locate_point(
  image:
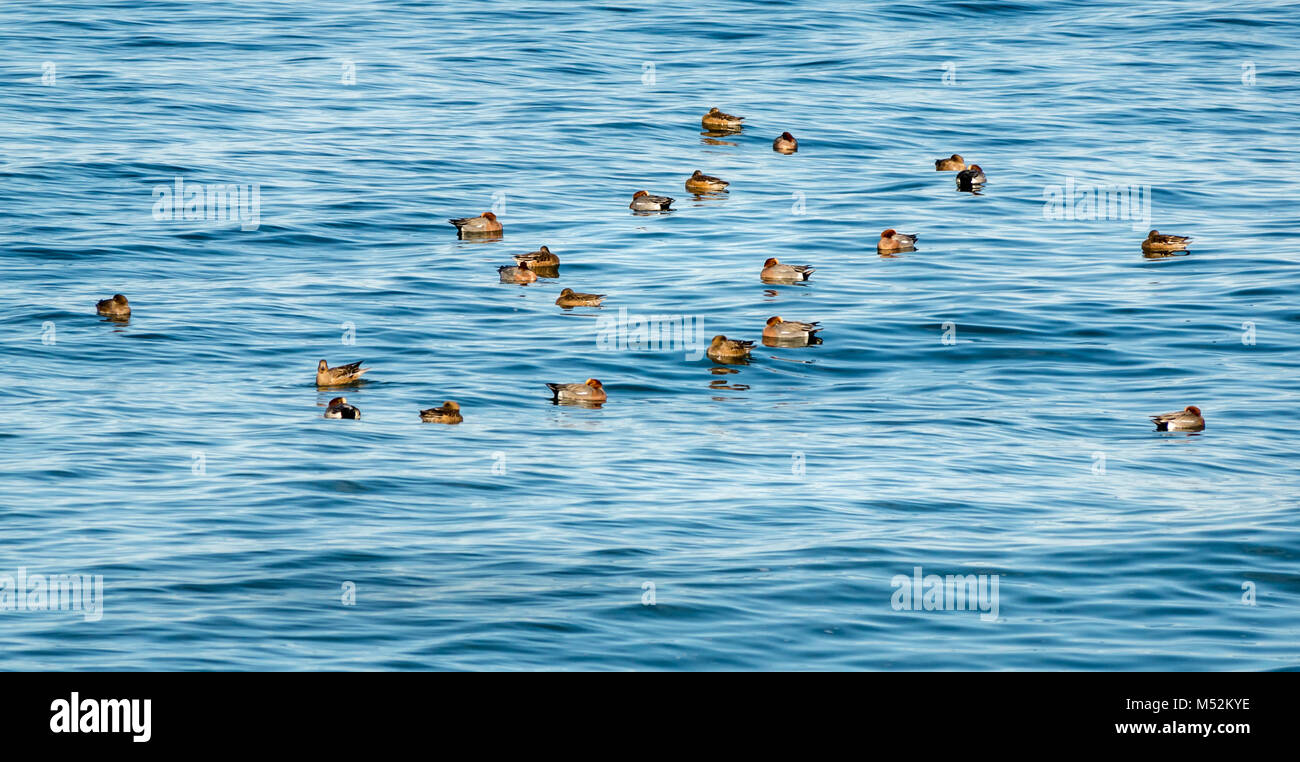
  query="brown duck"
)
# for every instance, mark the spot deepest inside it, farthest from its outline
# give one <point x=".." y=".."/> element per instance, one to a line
<point x="115" y="307"/>
<point x="448" y="413"/>
<point x="570" y="298"/>
<point x="340" y="375"/>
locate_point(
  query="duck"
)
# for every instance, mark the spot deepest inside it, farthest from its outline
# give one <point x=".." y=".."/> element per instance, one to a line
<point x="448" y="413"/>
<point x="540" y="258"/>
<point x="519" y="274"/>
<point x="1157" y="241"/>
<point x="484" y="224"/>
<point x="785" y="143"/>
<point x="590" y="391"/>
<point x="1187" y="419"/>
<point x="722" y="349"/>
<point x="642" y="201"/>
<point x="717" y="120"/>
<point x="773" y="270"/>
<point x="892" y="240"/>
<point x="778" y="330"/>
<point x="339" y="375"/>
<point x="972" y="175"/>
<point x="114" y="307"/>
<point x="339" y="408"/>
<point x="570" y="298"/>
<point x="702" y="183"/>
<point x="954" y="163"/>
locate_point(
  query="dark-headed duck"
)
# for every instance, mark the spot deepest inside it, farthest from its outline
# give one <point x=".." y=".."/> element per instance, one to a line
<point x="785" y="143"/>
<point x="339" y="408"/>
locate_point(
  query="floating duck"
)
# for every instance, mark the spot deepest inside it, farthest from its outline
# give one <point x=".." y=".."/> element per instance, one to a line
<point x="722" y="349"/>
<point x="540" y="258"/>
<point x="115" y="307"/>
<point x="519" y="274"/>
<point x="785" y="143"/>
<point x="642" y="201"/>
<point x="339" y="408"/>
<point x="1187" y="419"/>
<point x="954" y="163"/>
<point x="1157" y="241"/>
<point x="892" y="240"/>
<point x="970" y="176"/>
<point x="775" y="272"/>
<point x="790" y="332"/>
<point x="340" y="375"/>
<point x="448" y="413"/>
<point x="718" y="121"/>
<point x="570" y="298"/>
<point x="484" y="224"/>
<point x="702" y="183"/>
<point x="589" y="392"/>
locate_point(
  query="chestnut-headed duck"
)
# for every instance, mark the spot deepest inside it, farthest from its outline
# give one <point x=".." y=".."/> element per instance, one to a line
<point x="570" y="298"/>
<point x="702" y="183"/>
<point x="969" y="176"/>
<point x="722" y="349"/>
<point x="341" y="375"/>
<point x="785" y="143"/>
<point x="790" y="331"/>
<point x="540" y="258"/>
<point x="1157" y="241"/>
<point x="589" y="391"/>
<point x="954" y="163"/>
<point x="642" y="201"/>
<point x="339" y="408"/>
<point x="1187" y="419"/>
<point x="892" y="240"/>
<point x="448" y="413"/>
<point x="519" y="274"/>
<point x="115" y="307"/>
<point x="484" y="224"/>
<point x="774" y="271"/>
<point x="717" y="120"/>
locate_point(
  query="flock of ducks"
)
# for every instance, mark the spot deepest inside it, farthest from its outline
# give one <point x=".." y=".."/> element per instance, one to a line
<point x="778" y="332"/>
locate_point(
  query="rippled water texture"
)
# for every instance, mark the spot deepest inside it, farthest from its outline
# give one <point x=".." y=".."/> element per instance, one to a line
<point x="978" y="406"/>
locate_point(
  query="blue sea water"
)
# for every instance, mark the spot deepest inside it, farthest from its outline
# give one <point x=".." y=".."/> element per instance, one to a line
<point x="978" y="406"/>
